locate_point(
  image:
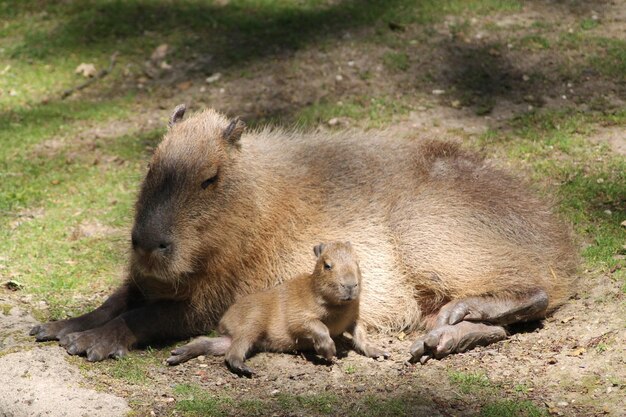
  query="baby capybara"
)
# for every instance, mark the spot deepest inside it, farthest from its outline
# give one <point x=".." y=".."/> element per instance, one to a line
<point x="303" y="313"/>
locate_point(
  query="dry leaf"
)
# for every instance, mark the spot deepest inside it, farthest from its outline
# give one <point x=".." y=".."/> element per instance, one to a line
<point x="184" y="85"/>
<point x="86" y="70"/>
<point x="401" y="336"/>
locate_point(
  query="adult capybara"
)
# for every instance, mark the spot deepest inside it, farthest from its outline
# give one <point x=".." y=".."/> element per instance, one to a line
<point x="445" y="240"/>
<point x="304" y="313"/>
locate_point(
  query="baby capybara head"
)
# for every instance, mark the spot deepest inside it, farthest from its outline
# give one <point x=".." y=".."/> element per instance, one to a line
<point x="186" y="186"/>
<point x="337" y="274"/>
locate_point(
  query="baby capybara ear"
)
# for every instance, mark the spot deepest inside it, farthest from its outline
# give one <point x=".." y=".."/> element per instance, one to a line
<point x="317" y="249"/>
<point x="177" y="115"/>
<point x="233" y="132"/>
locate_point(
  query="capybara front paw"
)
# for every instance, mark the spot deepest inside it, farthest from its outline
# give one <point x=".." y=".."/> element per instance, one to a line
<point x="93" y="344"/>
<point x="53" y="330"/>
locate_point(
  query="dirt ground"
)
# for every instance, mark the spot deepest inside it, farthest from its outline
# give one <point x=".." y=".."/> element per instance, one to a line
<point x="571" y="364"/>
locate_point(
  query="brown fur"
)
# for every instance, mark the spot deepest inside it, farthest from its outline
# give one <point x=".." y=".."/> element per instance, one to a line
<point x="223" y="213"/>
<point x="304" y="313"/>
<point x="432" y="222"/>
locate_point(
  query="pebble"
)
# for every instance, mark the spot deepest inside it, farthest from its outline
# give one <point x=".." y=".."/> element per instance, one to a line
<point x="275" y="392"/>
<point x="438" y="92"/>
<point x="213" y="78"/>
<point x="360" y="388"/>
<point x="562" y="404"/>
<point x="339" y="77"/>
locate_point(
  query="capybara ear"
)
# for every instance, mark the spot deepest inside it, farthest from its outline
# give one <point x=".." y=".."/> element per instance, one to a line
<point x="177" y="115"/>
<point x="317" y="249"/>
<point x="233" y="132"/>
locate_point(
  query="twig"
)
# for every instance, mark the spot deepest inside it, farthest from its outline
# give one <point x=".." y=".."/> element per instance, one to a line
<point x="103" y="73"/>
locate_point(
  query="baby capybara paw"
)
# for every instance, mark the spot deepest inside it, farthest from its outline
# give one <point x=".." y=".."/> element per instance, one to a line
<point x="240" y="369"/>
<point x="326" y="349"/>
<point x="375" y="353"/>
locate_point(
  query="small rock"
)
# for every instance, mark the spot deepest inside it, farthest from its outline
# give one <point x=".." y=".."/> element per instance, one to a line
<point x="86" y="70"/>
<point x="201" y="358"/>
<point x="438" y="92"/>
<point x="360" y="388"/>
<point x="213" y="78"/>
<point x="350" y="63"/>
<point x="567" y="319"/>
<point x="456" y="104"/>
<point x="275" y="392"/>
<point x="339" y="77"/>
<point x="623" y="224"/>
<point x="334" y="121"/>
<point x="600" y="180"/>
<point x="12" y="93"/>
<point x="608" y="212"/>
<point x="525" y="77"/>
<point x="203" y="365"/>
<point x="165" y="66"/>
<point x="401" y="336"/>
<point x="219" y="382"/>
<point x="160" y="52"/>
<point x="562" y="404"/>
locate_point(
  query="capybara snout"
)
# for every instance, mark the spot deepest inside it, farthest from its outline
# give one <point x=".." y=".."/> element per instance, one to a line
<point x="186" y="187"/>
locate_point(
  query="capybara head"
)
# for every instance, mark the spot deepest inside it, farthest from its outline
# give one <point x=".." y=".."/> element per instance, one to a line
<point x="337" y="275"/>
<point x="185" y="188"/>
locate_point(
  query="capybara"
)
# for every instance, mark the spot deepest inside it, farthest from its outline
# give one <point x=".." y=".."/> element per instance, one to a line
<point x="304" y="313"/>
<point x="446" y="240"/>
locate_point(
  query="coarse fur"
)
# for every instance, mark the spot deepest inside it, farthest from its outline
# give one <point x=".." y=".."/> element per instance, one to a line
<point x="223" y="213"/>
<point x="304" y="313"/>
<point x="432" y="222"/>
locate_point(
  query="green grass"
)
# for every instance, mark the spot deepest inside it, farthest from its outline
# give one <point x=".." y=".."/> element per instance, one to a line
<point x="132" y="368"/>
<point x="192" y="400"/>
<point x="469" y="382"/>
<point x="512" y="408"/>
<point x="396" y="61"/>
<point x="324" y="404"/>
<point x="376" y="111"/>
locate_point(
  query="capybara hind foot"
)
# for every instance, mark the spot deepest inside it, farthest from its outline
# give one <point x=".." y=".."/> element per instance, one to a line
<point x="442" y="341"/>
<point x="526" y="307"/>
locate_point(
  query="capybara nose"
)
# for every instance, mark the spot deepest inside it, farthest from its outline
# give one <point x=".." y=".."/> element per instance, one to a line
<point x="148" y="243"/>
<point x="350" y="290"/>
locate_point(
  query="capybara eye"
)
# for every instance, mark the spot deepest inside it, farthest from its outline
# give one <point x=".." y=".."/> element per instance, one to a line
<point x="208" y="182"/>
<point x="327" y="266"/>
